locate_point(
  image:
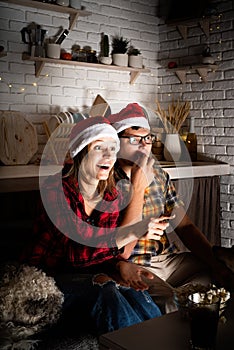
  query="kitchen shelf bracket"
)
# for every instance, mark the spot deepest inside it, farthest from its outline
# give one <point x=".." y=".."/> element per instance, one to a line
<point x="181" y="74"/>
<point x="205" y="26"/>
<point x="133" y="76"/>
<point x="38" y="68"/>
<point x="183" y="30"/>
<point x="72" y="20"/>
<point x="203" y="72"/>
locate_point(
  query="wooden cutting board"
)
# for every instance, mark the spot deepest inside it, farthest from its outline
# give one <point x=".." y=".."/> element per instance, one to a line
<point x="18" y="138"/>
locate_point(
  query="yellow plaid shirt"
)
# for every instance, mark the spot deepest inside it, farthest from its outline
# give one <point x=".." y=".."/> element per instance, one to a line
<point x="160" y="198"/>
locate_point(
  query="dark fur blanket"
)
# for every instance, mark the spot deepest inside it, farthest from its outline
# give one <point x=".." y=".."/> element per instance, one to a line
<point x="30" y="302"/>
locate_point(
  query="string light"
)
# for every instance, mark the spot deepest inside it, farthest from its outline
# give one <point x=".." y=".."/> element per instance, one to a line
<point x="217" y="26"/>
<point x="22" y="88"/>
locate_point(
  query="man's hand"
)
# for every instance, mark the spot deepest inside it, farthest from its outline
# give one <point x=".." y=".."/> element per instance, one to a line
<point x="131" y="275"/>
<point x="142" y="173"/>
<point x="157" y="227"/>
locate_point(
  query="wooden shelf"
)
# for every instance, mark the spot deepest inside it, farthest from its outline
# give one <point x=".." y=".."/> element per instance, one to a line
<point x="41" y="61"/>
<point x="73" y="13"/>
<point x="201" y="69"/>
<point x="183" y="25"/>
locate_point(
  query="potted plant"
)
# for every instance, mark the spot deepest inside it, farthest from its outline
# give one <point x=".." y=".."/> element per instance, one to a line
<point x="105" y="48"/>
<point x="119" y="51"/>
<point x="135" y="59"/>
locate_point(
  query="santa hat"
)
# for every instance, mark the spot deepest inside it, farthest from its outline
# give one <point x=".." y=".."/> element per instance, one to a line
<point x="89" y="130"/>
<point x="131" y="115"/>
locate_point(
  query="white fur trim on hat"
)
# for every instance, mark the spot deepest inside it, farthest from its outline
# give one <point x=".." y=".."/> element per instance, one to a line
<point x="141" y="122"/>
<point x="90" y="134"/>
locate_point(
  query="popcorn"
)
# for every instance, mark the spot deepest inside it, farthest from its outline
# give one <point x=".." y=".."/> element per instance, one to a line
<point x="211" y="296"/>
<point x="200" y="294"/>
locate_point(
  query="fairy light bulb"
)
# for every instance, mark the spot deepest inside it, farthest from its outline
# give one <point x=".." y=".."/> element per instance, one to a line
<point x="21" y="89"/>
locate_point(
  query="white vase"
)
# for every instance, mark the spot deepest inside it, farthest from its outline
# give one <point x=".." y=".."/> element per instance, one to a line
<point x="172" y="147"/>
<point x="135" y="61"/>
<point x="120" y="59"/>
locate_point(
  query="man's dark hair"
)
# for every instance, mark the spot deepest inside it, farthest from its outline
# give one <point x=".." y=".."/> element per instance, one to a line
<point x="131" y="127"/>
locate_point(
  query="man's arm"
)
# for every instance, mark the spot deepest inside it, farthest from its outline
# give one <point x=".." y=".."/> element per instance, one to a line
<point x="141" y="176"/>
<point x="192" y="237"/>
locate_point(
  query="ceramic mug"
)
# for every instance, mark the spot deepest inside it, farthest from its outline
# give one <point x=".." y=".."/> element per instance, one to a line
<point x="53" y="50"/>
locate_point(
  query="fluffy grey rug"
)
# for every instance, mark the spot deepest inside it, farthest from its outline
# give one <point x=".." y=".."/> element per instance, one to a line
<point x="30" y="302"/>
<point x="81" y="342"/>
<point x="30" y="306"/>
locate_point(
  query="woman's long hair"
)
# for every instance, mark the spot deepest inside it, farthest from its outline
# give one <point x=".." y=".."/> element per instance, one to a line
<point x="103" y="185"/>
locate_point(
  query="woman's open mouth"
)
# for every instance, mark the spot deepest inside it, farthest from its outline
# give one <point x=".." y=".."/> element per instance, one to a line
<point x="104" y="166"/>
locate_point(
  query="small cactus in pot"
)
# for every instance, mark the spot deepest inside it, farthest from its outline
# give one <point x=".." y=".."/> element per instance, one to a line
<point x="105" y="49"/>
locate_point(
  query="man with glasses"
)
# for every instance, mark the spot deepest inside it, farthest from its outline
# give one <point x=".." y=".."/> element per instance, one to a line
<point x="156" y="253"/>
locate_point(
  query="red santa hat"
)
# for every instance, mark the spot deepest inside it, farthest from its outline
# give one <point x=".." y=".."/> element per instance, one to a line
<point x="89" y="130"/>
<point x="131" y="115"/>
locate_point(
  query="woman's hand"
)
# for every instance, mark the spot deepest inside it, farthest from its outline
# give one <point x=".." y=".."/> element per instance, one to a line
<point x="101" y="278"/>
<point x="131" y="275"/>
<point x="157" y="227"/>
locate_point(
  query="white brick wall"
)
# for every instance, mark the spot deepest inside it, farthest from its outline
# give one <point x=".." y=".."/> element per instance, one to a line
<point x="69" y="87"/>
<point x="212" y="102"/>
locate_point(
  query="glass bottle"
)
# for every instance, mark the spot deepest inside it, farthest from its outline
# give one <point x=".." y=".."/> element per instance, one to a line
<point x="191" y="141"/>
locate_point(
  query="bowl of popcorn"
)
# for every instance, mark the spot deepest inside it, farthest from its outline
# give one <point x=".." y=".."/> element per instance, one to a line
<point x="209" y="294"/>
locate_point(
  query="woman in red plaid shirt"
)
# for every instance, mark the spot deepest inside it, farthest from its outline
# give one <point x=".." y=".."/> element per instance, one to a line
<point x="78" y="231"/>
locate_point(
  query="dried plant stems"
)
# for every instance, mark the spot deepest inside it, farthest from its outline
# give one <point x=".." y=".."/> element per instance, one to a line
<point x="174" y="116"/>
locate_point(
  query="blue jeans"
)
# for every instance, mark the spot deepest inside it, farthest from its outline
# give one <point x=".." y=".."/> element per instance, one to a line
<point x="106" y="307"/>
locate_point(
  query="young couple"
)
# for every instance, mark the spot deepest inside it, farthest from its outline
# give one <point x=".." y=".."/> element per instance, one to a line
<point x="88" y="226"/>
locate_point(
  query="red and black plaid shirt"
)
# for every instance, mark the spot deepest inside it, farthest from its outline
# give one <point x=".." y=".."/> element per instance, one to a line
<point x="65" y="236"/>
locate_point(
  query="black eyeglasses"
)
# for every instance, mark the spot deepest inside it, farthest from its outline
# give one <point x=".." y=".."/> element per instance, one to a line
<point x="136" y="140"/>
